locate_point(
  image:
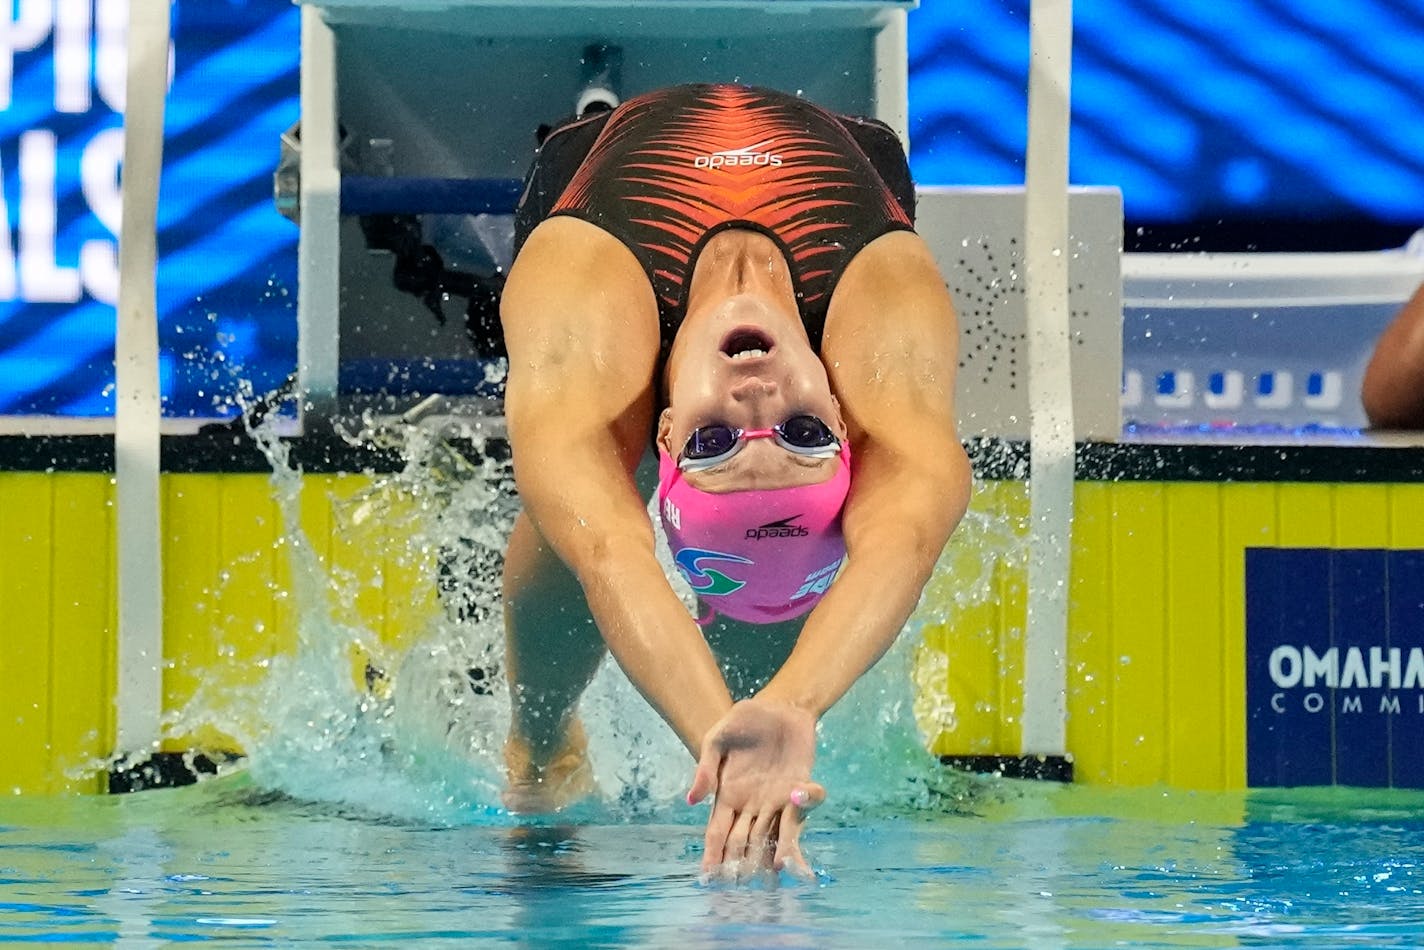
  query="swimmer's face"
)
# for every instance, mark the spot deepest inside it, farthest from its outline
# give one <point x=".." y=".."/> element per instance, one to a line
<point x="746" y="363"/>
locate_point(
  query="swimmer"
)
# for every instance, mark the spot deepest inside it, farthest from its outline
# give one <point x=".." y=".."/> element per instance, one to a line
<point x="734" y="272"/>
<point x="1393" y="388"/>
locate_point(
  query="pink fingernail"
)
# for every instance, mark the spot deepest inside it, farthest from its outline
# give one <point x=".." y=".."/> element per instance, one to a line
<point x="799" y="797"/>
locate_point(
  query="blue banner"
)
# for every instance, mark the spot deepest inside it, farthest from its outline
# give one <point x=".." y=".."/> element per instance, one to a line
<point x="1199" y="110"/>
<point x="1335" y="667"/>
<point x="227" y="272"/>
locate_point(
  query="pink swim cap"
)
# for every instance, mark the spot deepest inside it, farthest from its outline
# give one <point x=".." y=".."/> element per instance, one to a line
<point x="757" y="556"/>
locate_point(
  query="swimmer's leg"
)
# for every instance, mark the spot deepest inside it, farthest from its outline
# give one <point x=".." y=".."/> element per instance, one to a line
<point x="552" y="651"/>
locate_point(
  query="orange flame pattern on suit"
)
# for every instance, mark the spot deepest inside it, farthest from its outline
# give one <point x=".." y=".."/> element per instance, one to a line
<point x="672" y="167"/>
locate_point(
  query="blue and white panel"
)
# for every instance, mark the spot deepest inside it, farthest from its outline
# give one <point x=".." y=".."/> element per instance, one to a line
<point x="1335" y="667"/>
<point x="1198" y="110"/>
<point x="227" y="259"/>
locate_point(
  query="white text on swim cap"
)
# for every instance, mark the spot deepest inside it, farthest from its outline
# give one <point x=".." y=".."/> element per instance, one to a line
<point x="818" y="582"/>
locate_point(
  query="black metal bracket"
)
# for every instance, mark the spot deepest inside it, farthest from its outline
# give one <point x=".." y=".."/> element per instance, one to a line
<point x="421" y="272"/>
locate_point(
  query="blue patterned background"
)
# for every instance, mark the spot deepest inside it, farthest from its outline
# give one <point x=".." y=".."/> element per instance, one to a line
<point x="227" y="260"/>
<point x="1306" y="110"/>
<point x="1259" y="114"/>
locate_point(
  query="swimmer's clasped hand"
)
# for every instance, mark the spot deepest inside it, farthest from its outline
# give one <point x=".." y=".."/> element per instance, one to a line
<point x="757" y="759"/>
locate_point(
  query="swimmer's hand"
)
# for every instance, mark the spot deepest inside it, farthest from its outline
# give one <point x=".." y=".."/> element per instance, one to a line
<point x="758" y="760"/>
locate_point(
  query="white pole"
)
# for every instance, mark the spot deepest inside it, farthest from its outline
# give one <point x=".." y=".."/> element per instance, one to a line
<point x="139" y="696"/>
<point x="319" y="240"/>
<point x="1050" y="377"/>
<point x="892" y="74"/>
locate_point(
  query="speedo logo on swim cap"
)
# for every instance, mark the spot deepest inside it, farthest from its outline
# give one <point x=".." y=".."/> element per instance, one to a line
<point x="777" y="529"/>
<point x="739" y="157"/>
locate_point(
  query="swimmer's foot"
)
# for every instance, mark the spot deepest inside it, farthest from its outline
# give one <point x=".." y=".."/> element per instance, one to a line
<point x="537" y="789"/>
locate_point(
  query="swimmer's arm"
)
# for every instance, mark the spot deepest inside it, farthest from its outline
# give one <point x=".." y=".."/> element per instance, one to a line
<point x="1393" y="388"/>
<point x="891" y="348"/>
<point x="578" y="406"/>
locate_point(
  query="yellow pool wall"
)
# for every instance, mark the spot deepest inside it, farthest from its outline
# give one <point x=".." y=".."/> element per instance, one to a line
<point x="227" y="604"/>
<point x="1156" y="626"/>
<point x="1156" y="666"/>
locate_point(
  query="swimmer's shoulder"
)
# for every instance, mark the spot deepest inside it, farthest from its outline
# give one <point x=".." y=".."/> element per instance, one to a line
<point x="893" y="265"/>
<point x="571" y="274"/>
<point x="572" y="250"/>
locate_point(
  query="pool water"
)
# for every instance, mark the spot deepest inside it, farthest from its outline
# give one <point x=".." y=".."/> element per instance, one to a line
<point x="999" y="864"/>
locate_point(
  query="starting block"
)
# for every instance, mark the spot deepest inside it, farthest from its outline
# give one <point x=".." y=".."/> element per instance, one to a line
<point x="420" y="118"/>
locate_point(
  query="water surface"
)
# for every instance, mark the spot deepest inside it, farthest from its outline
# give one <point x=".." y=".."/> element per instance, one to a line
<point x="999" y="864"/>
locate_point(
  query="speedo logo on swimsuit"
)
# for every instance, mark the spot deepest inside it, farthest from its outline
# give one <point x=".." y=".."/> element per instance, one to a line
<point x="777" y="529"/>
<point x="739" y="157"/>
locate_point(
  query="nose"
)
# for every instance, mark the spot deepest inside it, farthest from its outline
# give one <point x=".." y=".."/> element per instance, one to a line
<point x="753" y="389"/>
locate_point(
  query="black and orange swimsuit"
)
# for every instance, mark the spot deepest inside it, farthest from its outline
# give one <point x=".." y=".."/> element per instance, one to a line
<point x="666" y="171"/>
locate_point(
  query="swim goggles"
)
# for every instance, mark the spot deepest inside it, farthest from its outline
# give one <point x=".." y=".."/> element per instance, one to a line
<point x="711" y="445"/>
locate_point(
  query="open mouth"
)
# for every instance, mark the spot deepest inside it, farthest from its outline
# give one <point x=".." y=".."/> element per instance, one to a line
<point x="744" y="344"/>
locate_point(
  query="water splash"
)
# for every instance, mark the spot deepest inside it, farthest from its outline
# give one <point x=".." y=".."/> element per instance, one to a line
<point x="414" y="731"/>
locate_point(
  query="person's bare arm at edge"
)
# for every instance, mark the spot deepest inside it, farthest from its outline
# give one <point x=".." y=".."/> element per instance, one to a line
<point x="891" y="348"/>
<point x="581" y="327"/>
<point x="1393" y="388"/>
